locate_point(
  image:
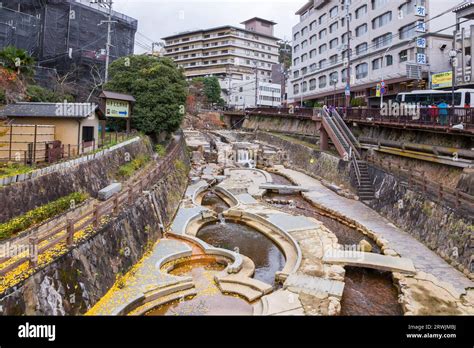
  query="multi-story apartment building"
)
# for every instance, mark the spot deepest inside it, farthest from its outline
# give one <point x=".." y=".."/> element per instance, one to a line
<point x="384" y="46"/>
<point x="230" y="53"/>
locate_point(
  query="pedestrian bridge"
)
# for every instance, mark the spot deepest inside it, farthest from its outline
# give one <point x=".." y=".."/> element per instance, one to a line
<point x="370" y="260"/>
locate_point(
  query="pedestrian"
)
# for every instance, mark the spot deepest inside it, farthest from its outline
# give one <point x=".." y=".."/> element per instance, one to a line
<point x="443" y="113"/>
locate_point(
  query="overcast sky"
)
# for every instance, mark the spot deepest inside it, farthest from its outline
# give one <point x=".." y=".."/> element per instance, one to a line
<point x="159" y="18"/>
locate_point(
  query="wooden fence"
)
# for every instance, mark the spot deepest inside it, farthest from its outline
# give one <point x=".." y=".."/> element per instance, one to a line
<point x="65" y="232"/>
<point x="417" y="181"/>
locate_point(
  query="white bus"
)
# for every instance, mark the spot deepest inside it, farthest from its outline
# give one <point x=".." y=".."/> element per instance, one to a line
<point x="462" y="97"/>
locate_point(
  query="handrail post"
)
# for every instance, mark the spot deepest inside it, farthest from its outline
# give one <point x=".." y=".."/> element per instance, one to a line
<point x="116" y="204"/>
<point x="96" y="215"/>
<point x="33" y="255"/>
<point x="70" y="232"/>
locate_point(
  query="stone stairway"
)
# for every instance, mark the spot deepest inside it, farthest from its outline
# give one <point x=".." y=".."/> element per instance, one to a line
<point x="366" y="189"/>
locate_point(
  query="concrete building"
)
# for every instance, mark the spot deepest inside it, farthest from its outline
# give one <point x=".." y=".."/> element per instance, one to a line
<point x="232" y="54"/>
<point x="384" y="47"/>
<point x="243" y="95"/>
<point x="463" y="44"/>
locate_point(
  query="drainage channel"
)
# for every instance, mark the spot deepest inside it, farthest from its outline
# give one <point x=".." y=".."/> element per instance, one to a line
<point x="366" y="291"/>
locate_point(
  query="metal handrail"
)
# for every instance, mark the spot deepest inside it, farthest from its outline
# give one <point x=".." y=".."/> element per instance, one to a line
<point x="356" y="169"/>
<point x="346" y="129"/>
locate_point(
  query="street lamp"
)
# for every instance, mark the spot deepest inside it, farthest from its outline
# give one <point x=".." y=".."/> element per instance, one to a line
<point x="452" y="55"/>
<point x="334" y="82"/>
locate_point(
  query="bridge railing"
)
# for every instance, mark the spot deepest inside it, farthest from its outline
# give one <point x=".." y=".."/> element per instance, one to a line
<point x="422" y="116"/>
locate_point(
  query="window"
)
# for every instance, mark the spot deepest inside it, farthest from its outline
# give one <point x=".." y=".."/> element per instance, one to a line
<point x="87" y="134"/>
<point x="344" y="75"/>
<point x="323" y="33"/>
<point x="334" y="78"/>
<point x="361" y="11"/>
<point x="323" y="48"/>
<point x="376" y="4"/>
<point x="296" y="74"/>
<point x="304" y="44"/>
<point x="312" y="39"/>
<point x="322" y="63"/>
<point x="382" y="20"/>
<point x="296" y="61"/>
<point x="296" y="89"/>
<point x="388" y="60"/>
<point x="361" y="30"/>
<point x="407" y="32"/>
<point x="377" y="64"/>
<point x="305" y="86"/>
<point x="406" y="9"/>
<point x="403" y="56"/>
<point x="322" y="19"/>
<point x="304" y="71"/>
<point x="296" y="36"/>
<point x="313" y="53"/>
<point x="382" y="41"/>
<point x="333" y="43"/>
<point x="362" y="48"/>
<point x="333" y="27"/>
<point x="313" y="67"/>
<point x="333" y="11"/>
<point x="322" y="81"/>
<point x="312" y="84"/>
<point x="313" y="25"/>
<point x="362" y="70"/>
<point x="333" y="59"/>
<point x="304" y="57"/>
<point x="304" y="31"/>
<point x="344" y="38"/>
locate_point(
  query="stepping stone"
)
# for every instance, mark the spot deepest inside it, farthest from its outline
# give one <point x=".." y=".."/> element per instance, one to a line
<point x="314" y="285"/>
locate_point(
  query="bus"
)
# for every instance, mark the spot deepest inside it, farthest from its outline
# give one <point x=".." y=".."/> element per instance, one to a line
<point x="462" y="97"/>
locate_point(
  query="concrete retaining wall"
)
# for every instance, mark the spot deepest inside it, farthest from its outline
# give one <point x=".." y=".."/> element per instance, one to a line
<point x="281" y="124"/>
<point x="310" y="161"/>
<point x="90" y="174"/>
<point x="447" y="232"/>
<point x="77" y="280"/>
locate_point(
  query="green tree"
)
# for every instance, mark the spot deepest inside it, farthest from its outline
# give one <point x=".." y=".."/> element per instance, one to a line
<point x="159" y="87"/>
<point x="39" y="94"/>
<point x="212" y="90"/>
<point x="10" y="56"/>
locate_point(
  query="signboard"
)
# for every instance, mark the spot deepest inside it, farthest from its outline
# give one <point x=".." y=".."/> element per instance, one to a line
<point x="442" y="80"/>
<point x="348" y="91"/>
<point x="117" y="108"/>
<point x="421" y="58"/>
<point x="377" y="90"/>
<point x="421" y="42"/>
<point x="420" y="11"/>
<point x="420" y="27"/>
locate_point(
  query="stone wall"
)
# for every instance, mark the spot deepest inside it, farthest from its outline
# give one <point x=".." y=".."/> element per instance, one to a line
<point x="281" y="124"/>
<point x="77" y="280"/>
<point x="447" y="232"/>
<point x="311" y="161"/>
<point x="89" y="176"/>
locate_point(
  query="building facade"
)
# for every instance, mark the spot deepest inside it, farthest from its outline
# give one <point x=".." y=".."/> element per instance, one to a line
<point x="384" y="46"/>
<point x="230" y="53"/>
<point x="243" y="95"/>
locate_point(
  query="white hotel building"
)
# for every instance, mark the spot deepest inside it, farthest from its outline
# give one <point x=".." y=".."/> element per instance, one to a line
<point x="235" y="55"/>
<point x="383" y="45"/>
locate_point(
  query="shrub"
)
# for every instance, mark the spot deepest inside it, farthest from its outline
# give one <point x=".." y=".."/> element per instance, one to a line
<point x="40" y="214"/>
<point x="127" y="170"/>
<point x="160" y="150"/>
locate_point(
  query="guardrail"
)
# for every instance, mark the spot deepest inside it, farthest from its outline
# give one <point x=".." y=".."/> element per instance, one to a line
<point x="417" y="181"/>
<point x="65" y="232"/>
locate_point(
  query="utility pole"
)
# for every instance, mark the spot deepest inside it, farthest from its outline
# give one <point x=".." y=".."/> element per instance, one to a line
<point x="348" y="77"/>
<point x="109" y="22"/>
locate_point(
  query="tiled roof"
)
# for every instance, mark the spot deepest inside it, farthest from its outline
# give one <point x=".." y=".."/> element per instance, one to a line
<point x="60" y="110"/>
<point x="119" y="96"/>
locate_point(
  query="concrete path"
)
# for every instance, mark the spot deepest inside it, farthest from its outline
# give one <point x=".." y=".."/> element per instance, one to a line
<point x="404" y="244"/>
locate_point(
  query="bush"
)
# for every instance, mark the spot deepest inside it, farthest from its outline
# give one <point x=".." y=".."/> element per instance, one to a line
<point x="40" y="214"/>
<point x="43" y="95"/>
<point x="160" y="150"/>
<point x="127" y="170"/>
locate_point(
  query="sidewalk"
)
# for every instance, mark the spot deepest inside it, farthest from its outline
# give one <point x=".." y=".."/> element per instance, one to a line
<point x="404" y="244"/>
